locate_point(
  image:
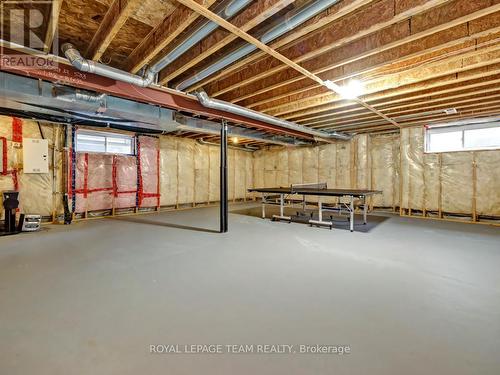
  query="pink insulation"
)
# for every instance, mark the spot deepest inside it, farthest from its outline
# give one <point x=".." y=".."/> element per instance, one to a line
<point x="94" y="182"/>
<point x="126" y="181"/>
<point x="105" y="181"/>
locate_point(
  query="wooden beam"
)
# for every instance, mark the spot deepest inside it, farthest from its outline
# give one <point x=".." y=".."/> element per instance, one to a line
<point x="462" y="63"/>
<point x="420" y="90"/>
<point x="52" y="26"/>
<point x="252" y="16"/>
<point x="115" y="18"/>
<point x="474" y="86"/>
<point x="487" y="111"/>
<point x="250" y="39"/>
<point x="162" y="35"/>
<point x="321" y="21"/>
<point x="363" y="64"/>
<point x="405" y="109"/>
<point x="415" y="114"/>
<point x="378" y="16"/>
<point x="352" y="50"/>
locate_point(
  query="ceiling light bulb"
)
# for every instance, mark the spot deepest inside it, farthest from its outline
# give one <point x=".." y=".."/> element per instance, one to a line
<point x="235" y="140"/>
<point x="352" y="90"/>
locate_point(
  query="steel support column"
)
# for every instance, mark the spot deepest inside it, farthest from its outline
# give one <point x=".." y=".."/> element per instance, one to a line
<point x="223" y="178"/>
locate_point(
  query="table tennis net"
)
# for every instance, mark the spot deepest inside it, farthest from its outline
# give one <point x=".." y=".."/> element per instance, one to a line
<point x="317" y="185"/>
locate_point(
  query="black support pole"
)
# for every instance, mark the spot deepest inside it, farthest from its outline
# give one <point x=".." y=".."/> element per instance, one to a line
<point x="223" y="178"/>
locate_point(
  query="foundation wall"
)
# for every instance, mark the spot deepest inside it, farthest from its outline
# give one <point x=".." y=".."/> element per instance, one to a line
<point x="174" y="172"/>
<point x="441" y="185"/>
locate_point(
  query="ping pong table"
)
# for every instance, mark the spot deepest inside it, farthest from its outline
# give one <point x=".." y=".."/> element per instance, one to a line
<point x="270" y="196"/>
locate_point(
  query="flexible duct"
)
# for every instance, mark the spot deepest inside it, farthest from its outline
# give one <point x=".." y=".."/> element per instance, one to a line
<point x="220" y="105"/>
<point x="290" y="22"/>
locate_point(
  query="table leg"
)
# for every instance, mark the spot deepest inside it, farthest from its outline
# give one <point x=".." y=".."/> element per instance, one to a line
<point x="365" y="210"/>
<point x="282" y="216"/>
<point x="352" y="214"/>
<point x="263" y="206"/>
<point x="320" y="217"/>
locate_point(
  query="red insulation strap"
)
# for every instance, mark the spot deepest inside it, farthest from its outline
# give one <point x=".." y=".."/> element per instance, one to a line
<point x="88" y="191"/>
<point x="15" y="180"/>
<point x="86" y="175"/>
<point x="139" y="173"/>
<point x="126" y="192"/>
<point x="115" y="185"/>
<point x="158" y="177"/>
<point x="4" y="155"/>
<point x="17" y="130"/>
<point x="150" y="195"/>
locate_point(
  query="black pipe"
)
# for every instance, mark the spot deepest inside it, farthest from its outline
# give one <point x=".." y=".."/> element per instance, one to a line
<point x="223" y="178"/>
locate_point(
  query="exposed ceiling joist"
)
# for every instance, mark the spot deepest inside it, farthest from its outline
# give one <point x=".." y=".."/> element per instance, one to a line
<point x="250" y="39"/>
<point x="366" y="63"/>
<point x="52" y="25"/>
<point x="115" y="18"/>
<point x="162" y="35"/>
<point x="330" y="41"/>
<point x="252" y="16"/>
<point x="340" y="10"/>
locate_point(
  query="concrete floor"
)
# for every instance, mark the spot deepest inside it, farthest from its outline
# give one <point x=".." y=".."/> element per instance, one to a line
<point x="408" y="296"/>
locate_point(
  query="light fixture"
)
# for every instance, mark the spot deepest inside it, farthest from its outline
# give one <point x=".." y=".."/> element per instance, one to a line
<point x="352" y="90"/>
<point x="235" y="140"/>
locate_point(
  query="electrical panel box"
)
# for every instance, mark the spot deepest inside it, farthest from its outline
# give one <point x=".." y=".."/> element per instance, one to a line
<point x="35" y="155"/>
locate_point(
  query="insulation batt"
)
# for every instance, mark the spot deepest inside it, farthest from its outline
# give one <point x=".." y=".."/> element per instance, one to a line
<point x="455" y="182"/>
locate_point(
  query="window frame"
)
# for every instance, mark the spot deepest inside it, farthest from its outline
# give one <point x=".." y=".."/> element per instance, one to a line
<point x="462" y="127"/>
<point x="107" y="135"/>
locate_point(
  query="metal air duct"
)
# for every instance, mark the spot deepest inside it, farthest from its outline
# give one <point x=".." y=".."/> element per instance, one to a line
<point x="289" y="23"/>
<point x="318" y="135"/>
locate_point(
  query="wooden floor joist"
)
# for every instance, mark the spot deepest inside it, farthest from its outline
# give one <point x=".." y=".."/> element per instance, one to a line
<point x="319" y="66"/>
<point x="330" y="41"/>
<point x="452" y="65"/>
<point x="473" y="87"/>
<point x="52" y="25"/>
<point x="250" y="39"/>
<point x="161" y="36"/>
<point x="321" y="21"/>
<point x="361" y="66"/>
<point x="259" y="10"/>
<point x="115" y="18"/>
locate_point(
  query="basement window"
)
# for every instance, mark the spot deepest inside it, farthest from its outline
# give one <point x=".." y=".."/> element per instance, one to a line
<point x="101" y="142"/>
<point x="463" y="137"/>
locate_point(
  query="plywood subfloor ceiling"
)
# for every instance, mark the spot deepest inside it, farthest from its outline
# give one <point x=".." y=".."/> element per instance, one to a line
<point x="416" y="58"/>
